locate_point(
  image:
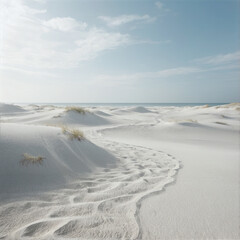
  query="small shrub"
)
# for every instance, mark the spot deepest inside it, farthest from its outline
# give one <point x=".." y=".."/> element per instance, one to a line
<point x="73" y="133"/>
<point x="76" y="109"/>
<point x="30" y="159"/>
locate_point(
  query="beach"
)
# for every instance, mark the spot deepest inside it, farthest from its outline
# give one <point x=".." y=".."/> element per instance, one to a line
<point x="119" y="172"/>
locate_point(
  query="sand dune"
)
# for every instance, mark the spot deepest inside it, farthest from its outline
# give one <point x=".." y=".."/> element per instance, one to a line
<point x="64" y="159"/>
<point x="139" y="110"/>
<point x="87" y="119"/>
<point x="48" y="115"/>
<point x="111" y="185"/>
<point x="9" y="108"/>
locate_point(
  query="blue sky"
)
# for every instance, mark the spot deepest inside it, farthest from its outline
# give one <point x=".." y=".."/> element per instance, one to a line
<point x="119" y="51"/>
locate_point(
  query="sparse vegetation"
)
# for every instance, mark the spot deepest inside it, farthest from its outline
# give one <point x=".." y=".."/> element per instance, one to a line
<point x="185" y="120"/>
<point x="73" y="133"/>
<point x="230" y="105"/>
<point x="76" y="109"/>
<point x="191" y="120"/>
<point x="205" y="106"/>
<point x="30" y="159"/>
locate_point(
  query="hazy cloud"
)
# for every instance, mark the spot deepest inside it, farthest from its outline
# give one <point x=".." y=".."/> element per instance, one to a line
<point x="97" y="40"/>
<point x="159" y="5"/>
<point x="214" y="63"/>
<point x="220" y="59"/>
<point x="65" y="24"/>
<point x="133" y="78"/>
<point x="30" y="41"/>
<point x="123" y="19"/>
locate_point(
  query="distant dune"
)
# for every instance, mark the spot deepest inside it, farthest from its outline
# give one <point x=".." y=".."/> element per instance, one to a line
<point x="9" y="108"/>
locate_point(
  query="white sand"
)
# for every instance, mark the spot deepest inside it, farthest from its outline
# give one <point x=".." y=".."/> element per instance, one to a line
<point x="142" y="173"/>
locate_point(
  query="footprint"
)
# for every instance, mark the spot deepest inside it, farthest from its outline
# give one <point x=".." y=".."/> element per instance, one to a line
<point x="39" y="229"/>
<point x="113" y="203"/>
<point x="71" y="211"/>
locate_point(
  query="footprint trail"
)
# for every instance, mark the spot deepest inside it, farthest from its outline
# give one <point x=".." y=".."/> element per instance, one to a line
<point x="103" y="207"/>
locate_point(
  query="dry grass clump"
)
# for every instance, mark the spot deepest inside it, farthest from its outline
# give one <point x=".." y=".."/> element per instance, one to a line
<point x="73" y="133"/>
<point x="76" y="109"/>
<point x="191" y="120"/>
<point x="30" y="159"/>
<point x="230" y="105"/>
<point x="205" y="106"/>
<point x="183" y="120"/>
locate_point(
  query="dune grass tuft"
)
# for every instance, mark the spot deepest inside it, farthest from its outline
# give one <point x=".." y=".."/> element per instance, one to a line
<point x="191" y="120"/>
<point x="76" y="109"/>
<point x="73" y="133"/>
<point x="205" y="106"/>
<point x="30" y="159"/>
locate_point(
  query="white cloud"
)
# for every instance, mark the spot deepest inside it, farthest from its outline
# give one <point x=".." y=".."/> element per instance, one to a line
<point x="29" y="41"/>
<point x="65" y="24"/>
<point x="97" y="40"/>
<point x="40" y="1"/>
<point x="123" y="19"/>
<point x="133" y="78"/>
<point x="162" y="7"/>
<point x="26" y="71"/>
<point x="220" y="59"/>
<point x="208" y="64"/>
<point x="159" y="5"/>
